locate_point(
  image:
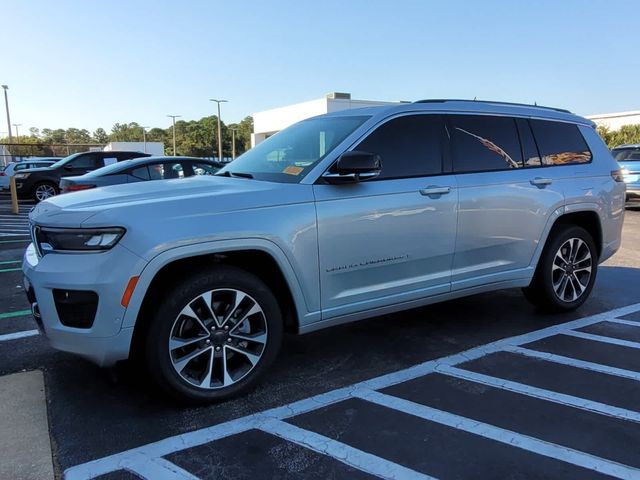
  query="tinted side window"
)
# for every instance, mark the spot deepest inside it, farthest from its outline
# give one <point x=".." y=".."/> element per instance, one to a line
<point x="529" y="148"/>
<point x="204" y="169"/>
<point x="560" y="143"/>
<point x="141" y="172"/>
<point x="164" y="171"/>
<point x="483" y="142"/>
<point x="410" y="146"/>
<point x="84" y="161"/>
<point x="108" y="160"/>
<point x="24" y="166"/>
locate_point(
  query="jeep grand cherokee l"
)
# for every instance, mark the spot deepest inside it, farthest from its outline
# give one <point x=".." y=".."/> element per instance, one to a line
<point x="337" y="218"/>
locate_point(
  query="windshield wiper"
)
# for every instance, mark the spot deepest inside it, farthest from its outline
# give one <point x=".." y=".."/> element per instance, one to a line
<point x="234" y="174"/>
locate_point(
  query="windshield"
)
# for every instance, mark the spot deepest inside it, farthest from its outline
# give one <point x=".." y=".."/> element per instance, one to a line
<point x="626" y="154"/>
<point x="290" y="154"/>
<point x="65" y="160"/>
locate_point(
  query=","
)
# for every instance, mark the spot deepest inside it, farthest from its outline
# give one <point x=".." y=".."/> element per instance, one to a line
<point x="337" y="218"/>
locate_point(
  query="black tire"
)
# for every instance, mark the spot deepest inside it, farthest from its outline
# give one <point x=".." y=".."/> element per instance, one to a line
<point x="541" y="292"/>
<point x="160" y="361"/>
<point x="48" y="185"/>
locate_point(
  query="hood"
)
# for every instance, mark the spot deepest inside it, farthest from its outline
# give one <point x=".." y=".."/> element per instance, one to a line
<point x="47" y="213"/>
<point x="197" y="195"/>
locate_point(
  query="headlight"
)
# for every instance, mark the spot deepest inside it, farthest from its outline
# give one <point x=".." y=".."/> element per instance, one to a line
<point x="76" y="239"/>
<point x="21" y="175"/>
<point x="629" y="177"/>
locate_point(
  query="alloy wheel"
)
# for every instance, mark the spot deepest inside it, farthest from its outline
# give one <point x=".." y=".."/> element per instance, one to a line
<point x="44" y="191"/>
<point x="218" y="338"/>
<point x="571" y="270"/>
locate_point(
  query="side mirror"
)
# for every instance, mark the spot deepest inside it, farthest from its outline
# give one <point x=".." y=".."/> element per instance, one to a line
<point x="68" y="167"/>
<point x="354" y="167"/>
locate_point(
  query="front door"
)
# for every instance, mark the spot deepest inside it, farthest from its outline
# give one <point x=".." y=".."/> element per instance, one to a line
<point x="389" y="240"/>
<point x="81" y="165"/>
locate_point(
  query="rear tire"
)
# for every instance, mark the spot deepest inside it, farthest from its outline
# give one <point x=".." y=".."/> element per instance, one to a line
<point x="566" y="270"/>
<point x="213" y="335"/>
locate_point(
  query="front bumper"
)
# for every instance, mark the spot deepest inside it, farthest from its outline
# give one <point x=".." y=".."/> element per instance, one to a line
<point x="21" y="189"/>
<point x="107" y="274"/>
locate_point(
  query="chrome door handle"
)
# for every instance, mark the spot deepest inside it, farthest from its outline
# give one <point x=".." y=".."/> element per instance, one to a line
<point x="435" y="190"/>
<point x="541" y="182"/>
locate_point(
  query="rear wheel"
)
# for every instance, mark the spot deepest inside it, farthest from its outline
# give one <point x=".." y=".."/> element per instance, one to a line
<point x="566" y="271"/>
<point x="214" y="335"/>
<point x="44" y="190"/>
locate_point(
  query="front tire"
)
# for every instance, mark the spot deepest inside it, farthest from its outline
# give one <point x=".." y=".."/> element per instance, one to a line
<point x="213" y="335"/>
<point x="44" y="190"/>
<point x="566" y="271"/>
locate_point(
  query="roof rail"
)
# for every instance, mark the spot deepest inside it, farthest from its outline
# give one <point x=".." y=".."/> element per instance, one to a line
<point x="444" y="100"/>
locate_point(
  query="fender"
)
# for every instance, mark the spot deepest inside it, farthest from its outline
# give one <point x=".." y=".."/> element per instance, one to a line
<point x="551" y="221"/>
<point x="168" y="256"/>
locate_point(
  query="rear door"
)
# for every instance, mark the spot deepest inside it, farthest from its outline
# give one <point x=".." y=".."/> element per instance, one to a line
<point x="503" y="206"/>
<point x="566" y="160"/>
<point x="391" y="239"/>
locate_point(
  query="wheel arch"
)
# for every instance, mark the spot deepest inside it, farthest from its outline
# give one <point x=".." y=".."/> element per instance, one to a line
<point x="585" y="216"/>
<point x="542" y="292"/>
<point x="587" y="219"/>
<point x="263" y="258"/>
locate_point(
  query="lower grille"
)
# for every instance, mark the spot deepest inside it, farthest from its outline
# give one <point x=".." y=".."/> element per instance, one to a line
<point x="76" y="308"/>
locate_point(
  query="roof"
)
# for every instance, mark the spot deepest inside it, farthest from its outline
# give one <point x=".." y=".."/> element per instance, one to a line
<point x="603" y="116"/>
<point x="117" y="167"/>
<point x="168" y="157"/>
<point x="158" y="158"/>
<point x="470" y="106"/>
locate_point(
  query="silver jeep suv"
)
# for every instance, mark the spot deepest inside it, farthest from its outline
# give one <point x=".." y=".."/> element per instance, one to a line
<point x="337" y="218"/>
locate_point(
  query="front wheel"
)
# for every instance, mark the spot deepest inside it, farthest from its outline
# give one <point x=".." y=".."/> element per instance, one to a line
<point x="213" y="335"/>
<point x="44" y="190"/>
<point x="566" y="270"/>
